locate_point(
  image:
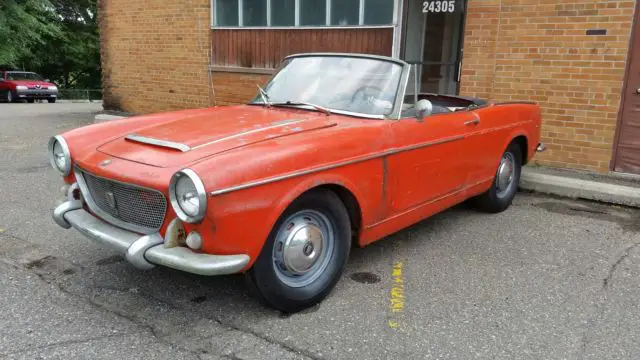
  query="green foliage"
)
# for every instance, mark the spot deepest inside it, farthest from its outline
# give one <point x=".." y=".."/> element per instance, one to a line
<point x="24" y="24"/>
<point x="60" y="41"/>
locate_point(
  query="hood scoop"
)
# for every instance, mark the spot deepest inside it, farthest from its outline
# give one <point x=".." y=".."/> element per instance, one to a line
<point x="157" y="142"/>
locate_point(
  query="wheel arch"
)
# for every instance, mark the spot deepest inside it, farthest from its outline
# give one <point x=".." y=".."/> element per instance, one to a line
<point x="346" y="192"/>
<point x="519" y="137"/>
<point x="523" y="143"/>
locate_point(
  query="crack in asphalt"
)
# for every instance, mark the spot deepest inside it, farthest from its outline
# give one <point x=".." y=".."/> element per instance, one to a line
<point x="34" y="266"/>
<point x="601" y="307"/>
<point x="64" y="343"/>
<point x="606" y="282"/>
<point x="150" y="328"/>
<point x="243" y="329"/>
<point x="90" y="301"/>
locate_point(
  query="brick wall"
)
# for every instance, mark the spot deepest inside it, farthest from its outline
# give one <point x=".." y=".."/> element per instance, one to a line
<point x="233" y="88"/>
<point x="538" y="50"/>
<point x="154" y="54"/>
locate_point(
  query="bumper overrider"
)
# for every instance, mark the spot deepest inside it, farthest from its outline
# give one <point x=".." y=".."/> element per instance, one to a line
<point x="144" y="251"/>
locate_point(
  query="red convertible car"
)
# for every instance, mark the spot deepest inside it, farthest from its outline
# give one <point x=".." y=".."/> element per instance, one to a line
<point x="337" y="150"/>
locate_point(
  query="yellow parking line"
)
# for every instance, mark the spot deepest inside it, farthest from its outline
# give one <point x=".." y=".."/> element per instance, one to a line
<point x="397" y="297"/>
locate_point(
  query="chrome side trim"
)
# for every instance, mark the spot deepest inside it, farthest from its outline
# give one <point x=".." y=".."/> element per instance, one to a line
<point x="59" y="212"/>
<point x="280" y="124"/>
<point x="86" y="194"/>
<point x="336" y="165"/>
<point x="429" y="202"/>
<point x="157" y="142"/>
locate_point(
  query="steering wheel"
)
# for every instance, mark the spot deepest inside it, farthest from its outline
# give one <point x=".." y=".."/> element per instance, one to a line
<point x="369" y="93"/>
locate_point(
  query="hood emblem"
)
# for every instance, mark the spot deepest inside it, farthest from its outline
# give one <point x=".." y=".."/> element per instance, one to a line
<point x="37" y="86"/>
<point x="105" y="162"/>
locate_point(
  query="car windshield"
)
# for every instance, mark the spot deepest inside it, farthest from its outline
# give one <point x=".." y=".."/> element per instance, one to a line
<point x="23" y="76"/>
<point x="360" y="85"/>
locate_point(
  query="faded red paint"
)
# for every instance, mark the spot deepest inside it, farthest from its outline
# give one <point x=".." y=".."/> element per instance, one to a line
<point x="399" y="171"/>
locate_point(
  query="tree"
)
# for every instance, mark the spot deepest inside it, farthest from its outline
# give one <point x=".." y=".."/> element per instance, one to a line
<point x="58" y="39"/>
<point x="73" y="59"/>
<point x="23" y="25"/>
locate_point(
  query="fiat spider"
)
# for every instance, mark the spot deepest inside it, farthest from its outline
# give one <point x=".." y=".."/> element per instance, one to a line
<point x="336" y="151"/>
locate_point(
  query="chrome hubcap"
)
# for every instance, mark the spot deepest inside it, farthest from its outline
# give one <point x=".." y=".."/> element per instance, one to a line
<point x="302" y="248"/>
<point x="505" y="174"/>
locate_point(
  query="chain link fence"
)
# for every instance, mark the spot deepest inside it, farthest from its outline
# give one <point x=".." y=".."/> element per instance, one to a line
<point x="80" y="94"/>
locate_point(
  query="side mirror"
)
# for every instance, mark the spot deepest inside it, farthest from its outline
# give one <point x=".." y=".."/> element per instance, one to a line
<point x="423" y="109"/>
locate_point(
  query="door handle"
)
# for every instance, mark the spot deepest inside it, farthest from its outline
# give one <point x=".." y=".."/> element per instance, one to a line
<point x="472" y="122"/>
<point x="638" y="91"/>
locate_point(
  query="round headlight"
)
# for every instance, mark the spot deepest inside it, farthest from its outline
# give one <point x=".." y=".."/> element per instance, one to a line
<point x="59" y="154"/>
<point x="188" y="196"/>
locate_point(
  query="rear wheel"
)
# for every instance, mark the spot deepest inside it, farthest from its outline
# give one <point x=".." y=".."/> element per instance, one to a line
<point x="51" y="100"/>
<point x="31" y="101"/>
<point x="305" y="253"/>
<point x="505" y="183"/>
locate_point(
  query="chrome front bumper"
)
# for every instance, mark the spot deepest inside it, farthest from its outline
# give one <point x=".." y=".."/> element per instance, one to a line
<point x="146" y="251"/>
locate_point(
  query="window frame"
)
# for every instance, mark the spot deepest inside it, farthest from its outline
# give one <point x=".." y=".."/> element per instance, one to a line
<point x="327" y="25"/>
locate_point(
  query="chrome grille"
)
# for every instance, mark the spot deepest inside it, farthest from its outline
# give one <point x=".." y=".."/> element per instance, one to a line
<point x="129" y="206"/>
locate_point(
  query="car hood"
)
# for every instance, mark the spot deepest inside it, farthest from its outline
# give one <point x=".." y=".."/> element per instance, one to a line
<point x="180" y="140"/>
<point x="30" y="83"/>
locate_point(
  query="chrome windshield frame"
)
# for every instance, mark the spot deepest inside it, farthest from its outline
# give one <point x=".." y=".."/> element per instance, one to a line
<point x="400" y="93"/>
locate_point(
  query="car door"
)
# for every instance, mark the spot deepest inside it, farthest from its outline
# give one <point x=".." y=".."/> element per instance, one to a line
<point x="427" y="159"/>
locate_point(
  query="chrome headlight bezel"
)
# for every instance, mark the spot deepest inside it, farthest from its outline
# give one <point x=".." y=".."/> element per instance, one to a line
<point x="201" y="193"/>
<point x="66" y="170"/>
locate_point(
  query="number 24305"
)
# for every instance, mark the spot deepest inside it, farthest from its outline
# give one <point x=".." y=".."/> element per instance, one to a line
<point x="438" y="6"/>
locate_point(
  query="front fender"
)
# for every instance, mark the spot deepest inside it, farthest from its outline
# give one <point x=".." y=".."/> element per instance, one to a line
<point x="243" y="219"/>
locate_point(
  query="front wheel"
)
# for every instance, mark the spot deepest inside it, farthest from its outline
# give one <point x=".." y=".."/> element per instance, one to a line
<point x="305" y="253"/>
<point x="51" y="100"/>
<point x="505" y="183"/>
<point x="9" y="97"/>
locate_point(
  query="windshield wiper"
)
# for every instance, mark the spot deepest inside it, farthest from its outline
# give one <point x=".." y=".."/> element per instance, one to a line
<point x="265" y="97"/>
<point x="294" y="103"/>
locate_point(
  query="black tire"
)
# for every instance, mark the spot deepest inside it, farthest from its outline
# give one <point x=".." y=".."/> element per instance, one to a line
<point x="267" y="285"/>
<point x="492" y="201"/>
<point x="31" y="101"/>
<point x="51" y="100"/>
<point x="9" y="97"/>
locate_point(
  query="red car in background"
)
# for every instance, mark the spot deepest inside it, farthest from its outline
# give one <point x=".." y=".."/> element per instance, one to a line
<point x="23" y="85"/>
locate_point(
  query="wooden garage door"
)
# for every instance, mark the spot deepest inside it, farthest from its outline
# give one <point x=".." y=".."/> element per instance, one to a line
<point x="627" y="153"/>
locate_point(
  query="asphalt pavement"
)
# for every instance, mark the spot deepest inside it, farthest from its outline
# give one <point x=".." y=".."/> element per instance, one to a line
<point x="546" y="279"/>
